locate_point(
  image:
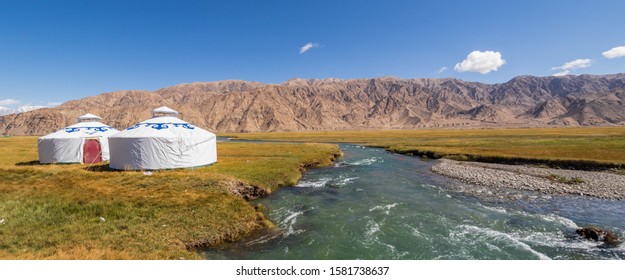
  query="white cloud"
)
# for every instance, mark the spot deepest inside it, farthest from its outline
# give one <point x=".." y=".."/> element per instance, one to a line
<point x="562" y="73"/>
<point x="5" y="111"/>
<point x="614" y="52"/>
<point x="308" y="46"/>
<point x="21" y="109"/>
<point x="567" y="68"/>
<point x="482" y="62"/>
<point x="443" y="69"/>
<point x="5" y="102"/>
<point x="27" y="108"/>
<point x="572" y="65"/>
<point x="54" y="104"/>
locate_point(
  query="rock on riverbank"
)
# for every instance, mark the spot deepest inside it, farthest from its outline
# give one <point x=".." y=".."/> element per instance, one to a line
<point x="487" y="179"/>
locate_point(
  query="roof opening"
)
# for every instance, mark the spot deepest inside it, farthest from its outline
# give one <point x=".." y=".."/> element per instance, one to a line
<point x="89" y="118"/>
<point x="164" y="112"/>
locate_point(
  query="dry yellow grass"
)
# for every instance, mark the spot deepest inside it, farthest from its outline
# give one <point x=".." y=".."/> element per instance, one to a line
<point x="589" y="144"/>
<point x="69" y="212"/>
<point x="17" y="149"/>
<point x="271" y="165"/>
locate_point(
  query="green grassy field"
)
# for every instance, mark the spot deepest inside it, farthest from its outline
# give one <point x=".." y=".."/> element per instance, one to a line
<point x="588" y="146"/>
<point x="69" y="212"/>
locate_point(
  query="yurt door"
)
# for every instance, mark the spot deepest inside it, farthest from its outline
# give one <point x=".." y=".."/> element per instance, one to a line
<point x="91" y="151"/>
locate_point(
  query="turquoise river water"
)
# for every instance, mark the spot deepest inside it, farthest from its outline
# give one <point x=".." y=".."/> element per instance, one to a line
<point x="373" y="204"/>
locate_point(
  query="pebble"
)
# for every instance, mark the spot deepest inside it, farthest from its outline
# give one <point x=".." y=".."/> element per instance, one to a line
<point x="500" y="178"/>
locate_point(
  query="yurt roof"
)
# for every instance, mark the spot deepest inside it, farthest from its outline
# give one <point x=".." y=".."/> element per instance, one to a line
<point x="164" y="111"/>
<point x="163" y="127"/>
<point x="83" y="130"/>
<point x="89" y="117"/>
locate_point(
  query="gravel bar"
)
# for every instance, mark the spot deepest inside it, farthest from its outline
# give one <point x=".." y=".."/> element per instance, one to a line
<point x="489" y="179"/>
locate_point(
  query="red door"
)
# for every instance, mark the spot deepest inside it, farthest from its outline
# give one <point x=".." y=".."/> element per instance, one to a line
<point x="91" y="151"/>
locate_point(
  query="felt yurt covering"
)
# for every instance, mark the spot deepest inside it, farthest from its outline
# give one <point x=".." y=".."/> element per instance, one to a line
<point x="68" y="145"/>
<point x="162" y="142"/>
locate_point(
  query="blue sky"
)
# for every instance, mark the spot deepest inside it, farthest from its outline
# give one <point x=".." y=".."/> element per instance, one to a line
<point x="54" y="51"/>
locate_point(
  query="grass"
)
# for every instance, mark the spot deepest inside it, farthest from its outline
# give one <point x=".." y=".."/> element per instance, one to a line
<point x="53" y="211"/>
<point x="17" y="150"/>
<point x="271" y="165"/>
<point x="580" y="147"/>
<point x="68" y="212"/>
<point x="565" y="180"/>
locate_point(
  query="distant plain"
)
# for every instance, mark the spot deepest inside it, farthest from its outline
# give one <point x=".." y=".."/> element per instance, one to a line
<point x="589" y="146"/>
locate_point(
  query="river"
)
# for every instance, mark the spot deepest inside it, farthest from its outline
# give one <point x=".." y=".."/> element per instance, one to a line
<point x="378" y="205"/>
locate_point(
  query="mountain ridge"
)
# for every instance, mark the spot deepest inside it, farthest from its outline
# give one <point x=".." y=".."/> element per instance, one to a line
<point x="339" y="104"/>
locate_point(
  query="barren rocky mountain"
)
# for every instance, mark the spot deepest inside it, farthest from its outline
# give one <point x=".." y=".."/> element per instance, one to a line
<point x="333" y="104"/>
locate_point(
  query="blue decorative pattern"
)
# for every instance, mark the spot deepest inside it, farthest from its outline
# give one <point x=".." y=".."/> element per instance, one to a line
<point x="159" y="126"/>
<point x="89" y="129"/>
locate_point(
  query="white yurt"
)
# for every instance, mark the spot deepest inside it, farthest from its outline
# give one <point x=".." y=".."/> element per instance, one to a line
<point x="84" y="142"/>
<point x="162" y="142"/>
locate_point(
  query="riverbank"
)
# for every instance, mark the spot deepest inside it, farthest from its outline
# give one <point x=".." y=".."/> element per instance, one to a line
<point x="587" y="148"/>
<point x="489" y="180"/>
<point x="88" y="212"/>
<point x="502" y="153"/>
<point x="380" y="205"/>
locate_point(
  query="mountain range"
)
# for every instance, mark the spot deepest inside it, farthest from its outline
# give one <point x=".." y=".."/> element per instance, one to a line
<point x="354" y="104"/>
